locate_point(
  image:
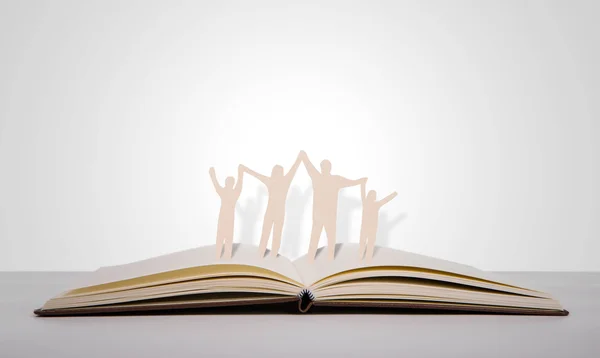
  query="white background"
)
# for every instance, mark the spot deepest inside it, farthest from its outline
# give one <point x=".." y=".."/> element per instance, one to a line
<point x="483" y="116"/>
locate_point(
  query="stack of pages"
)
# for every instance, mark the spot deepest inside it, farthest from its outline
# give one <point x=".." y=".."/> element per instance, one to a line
<point x="195" y="278"/>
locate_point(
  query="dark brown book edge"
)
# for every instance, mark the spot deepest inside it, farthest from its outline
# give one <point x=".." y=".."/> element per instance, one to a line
<point x="84" y="311"/>
<point x="305" y="306"/>
<point x="442" y="307"/>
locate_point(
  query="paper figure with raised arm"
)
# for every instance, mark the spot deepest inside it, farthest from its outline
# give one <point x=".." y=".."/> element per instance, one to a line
<point x="229" y="195"/>
<point x="326" y="189"/>
<point x="278" y="185"/>
<point x="370" y="220"/>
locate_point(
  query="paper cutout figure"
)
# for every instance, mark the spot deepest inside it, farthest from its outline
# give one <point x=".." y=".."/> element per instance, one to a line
<point x="278" y="185"/>
<point x="326" y="188"/>
<point x="370" y="218"/>
<point x="229" y="195"/>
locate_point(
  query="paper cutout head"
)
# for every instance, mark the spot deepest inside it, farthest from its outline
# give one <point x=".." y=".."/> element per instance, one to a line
<point x="325" y="166"/>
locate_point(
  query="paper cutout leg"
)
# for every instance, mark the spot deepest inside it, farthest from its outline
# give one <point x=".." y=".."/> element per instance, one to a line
<point x="228" y="247"/>
<point x="264" y="238"/>
<point x="331" y="230"/>
<point x="277" y="232"/>
<point x="220" y="240"/>
<point x="363" y="241"/>
<point x="370" y="247"/>
<point x="315" y="235"/>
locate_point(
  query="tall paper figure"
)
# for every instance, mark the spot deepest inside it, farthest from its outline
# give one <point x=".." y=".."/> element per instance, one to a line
<point x="370" y="220"/>
<point x="278" y="185"/>
<point x="326" y="189"/>
<point x="229" y="195"/>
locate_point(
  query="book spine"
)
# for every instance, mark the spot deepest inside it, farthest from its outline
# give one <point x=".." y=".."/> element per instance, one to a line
<point x="307" y="292"/>
<point x="305" y="300"/>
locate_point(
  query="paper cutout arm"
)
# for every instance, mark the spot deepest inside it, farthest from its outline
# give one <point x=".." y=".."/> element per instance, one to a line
<point x="294" y="168"/>
<point x="238" y="186"/>
<point x="310" y="168"/>
<point x="387" y="199"/>
<point x="344" y="183"/>
<point x="215" y="182"/>
<point x="263" y="178"/>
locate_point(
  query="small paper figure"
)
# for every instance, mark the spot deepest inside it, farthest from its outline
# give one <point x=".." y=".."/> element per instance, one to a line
<point x="326" y="188"/>
<point x="229" y="195"/>
<point x="278" y="185"/>
<point x="370" y="220"/>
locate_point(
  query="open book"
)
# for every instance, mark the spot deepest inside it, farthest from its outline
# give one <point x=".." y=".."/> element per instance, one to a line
<point x="394" y="279"/>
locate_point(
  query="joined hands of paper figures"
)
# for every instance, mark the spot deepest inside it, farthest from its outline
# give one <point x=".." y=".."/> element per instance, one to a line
<point x="326" y="188"/>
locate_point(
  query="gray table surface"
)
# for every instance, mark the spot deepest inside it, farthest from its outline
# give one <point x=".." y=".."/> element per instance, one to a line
<point x="288" y="335"/>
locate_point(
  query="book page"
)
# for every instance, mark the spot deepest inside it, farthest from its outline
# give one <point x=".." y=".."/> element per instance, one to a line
<point x="346" y="258"/>
<point x="201" y="256"/>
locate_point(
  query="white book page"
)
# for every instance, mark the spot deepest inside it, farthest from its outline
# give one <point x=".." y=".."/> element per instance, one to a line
<point x="346" y="258"/>
<point x="201" y="256"/>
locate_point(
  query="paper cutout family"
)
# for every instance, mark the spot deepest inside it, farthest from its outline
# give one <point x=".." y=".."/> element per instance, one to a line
<point x="326" y="188"/>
